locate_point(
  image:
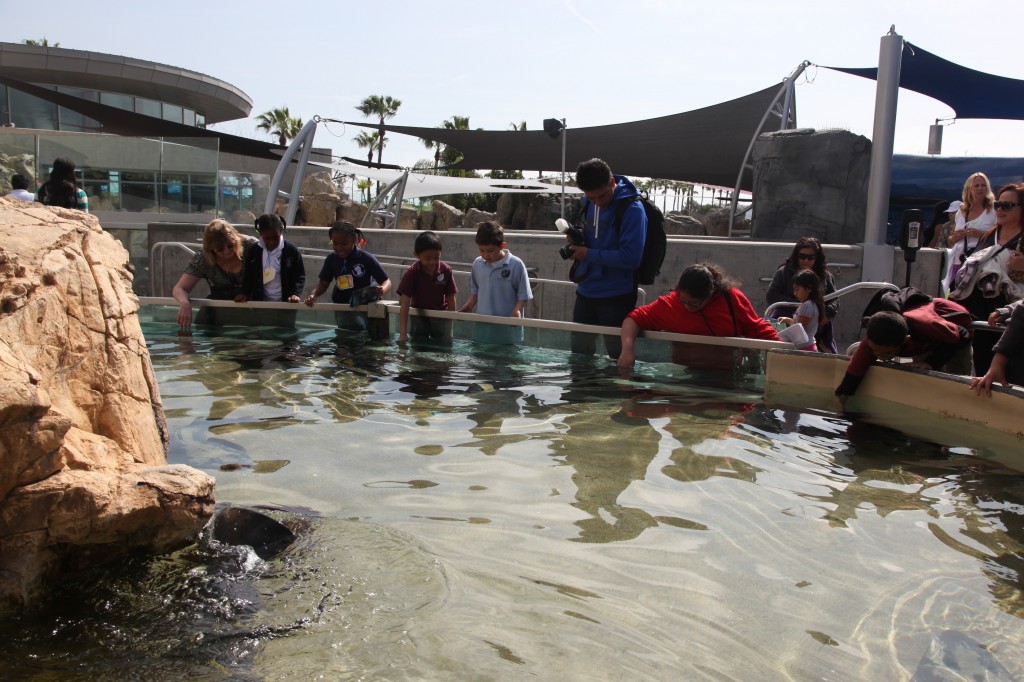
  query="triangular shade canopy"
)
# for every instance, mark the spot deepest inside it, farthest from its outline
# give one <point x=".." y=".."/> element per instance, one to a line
<point x="705" y="145"/>
<point x="970" y="93"/>
<point x="420" y="185"/>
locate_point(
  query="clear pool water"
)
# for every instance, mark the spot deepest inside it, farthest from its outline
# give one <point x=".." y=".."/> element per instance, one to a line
<point x="499" y="513"/>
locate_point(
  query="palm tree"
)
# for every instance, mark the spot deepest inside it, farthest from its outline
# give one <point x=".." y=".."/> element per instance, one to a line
<point x="517" y="126"/>
<point x="364" y="187"/>
<point x="450" y="155"/>
<point x="382" y="106"/>
<point x="279" y="122"/>
<point x="370" y="142"/>
<point x="42" y="42"/>
<point x="436" y="146"/>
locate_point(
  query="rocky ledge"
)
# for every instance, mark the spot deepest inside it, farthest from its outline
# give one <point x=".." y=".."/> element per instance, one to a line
<point x="84" y="477"/>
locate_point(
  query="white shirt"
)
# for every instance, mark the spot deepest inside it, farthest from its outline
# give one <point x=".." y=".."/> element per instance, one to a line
<point x="22" y="194"/>
<point x="272" y="261"/>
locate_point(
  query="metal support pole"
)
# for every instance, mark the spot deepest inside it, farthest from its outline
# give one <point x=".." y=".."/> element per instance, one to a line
<point x="562" y="213"/>
<point x="878" y="258"/>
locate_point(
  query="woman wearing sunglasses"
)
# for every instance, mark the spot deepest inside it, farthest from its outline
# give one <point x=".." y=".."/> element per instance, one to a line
<point x="220" y="263"/>
<point x="997" y="275"/>
<point x="807" y="255"/>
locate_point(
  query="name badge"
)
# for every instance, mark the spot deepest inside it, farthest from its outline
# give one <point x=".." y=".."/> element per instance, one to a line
<point x="345" y="281"/>
<point x="268" y="275"/>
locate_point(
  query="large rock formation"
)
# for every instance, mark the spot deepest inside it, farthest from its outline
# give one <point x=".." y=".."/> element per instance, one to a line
<point x="83" y="470"/>
<point x="811" y="183"/>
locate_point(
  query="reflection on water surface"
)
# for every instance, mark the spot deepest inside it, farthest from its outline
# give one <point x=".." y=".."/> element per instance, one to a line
<point x="504" y="513"/>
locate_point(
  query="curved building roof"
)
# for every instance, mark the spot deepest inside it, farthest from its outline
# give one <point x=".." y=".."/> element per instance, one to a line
<point x="216" y="100"/>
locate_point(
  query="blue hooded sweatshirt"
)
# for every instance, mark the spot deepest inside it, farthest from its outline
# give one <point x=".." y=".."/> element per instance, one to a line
<point x="612" y="255"/>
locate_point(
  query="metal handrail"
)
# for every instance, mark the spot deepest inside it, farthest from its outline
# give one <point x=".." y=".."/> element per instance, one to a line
<point x="393" y="307"/>
<point x="156" y="265"/>
<point x="835" y="294"/>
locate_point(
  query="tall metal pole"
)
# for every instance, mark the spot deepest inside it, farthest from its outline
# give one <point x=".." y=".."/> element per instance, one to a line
<point x="878" y="257"/>
<point x="562" y="213"/>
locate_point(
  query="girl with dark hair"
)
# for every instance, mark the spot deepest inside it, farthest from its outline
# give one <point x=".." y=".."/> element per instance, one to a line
<point x="61" y="189"/>
<point x="807" y="289"/>
<point x="273" y="268"/>
<point x="808" y="254"/>
<point x="705" y="302"/>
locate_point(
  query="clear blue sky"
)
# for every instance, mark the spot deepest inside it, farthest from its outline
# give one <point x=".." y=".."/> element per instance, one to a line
<point x="499" y="61"/>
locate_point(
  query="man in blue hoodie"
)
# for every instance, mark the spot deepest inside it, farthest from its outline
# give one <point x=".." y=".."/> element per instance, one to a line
<point x="606" y="286"/>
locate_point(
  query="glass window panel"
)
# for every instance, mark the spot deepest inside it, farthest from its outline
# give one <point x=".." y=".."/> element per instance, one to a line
<point x="32" y="112"/>
<point x="5" y="110"/>
<point x="71" y="120"/>
<point x="126" y="102"/>
<point x="188" y="117"/>
<point x="200" y="120"/>
<point x="138" y="176"/>
<point x="91" y="95"/>
<point x="147" y="107"/>
<point x="97" y="185"/>
<point x="172" y="112"/>
<point x="138" y="196"/>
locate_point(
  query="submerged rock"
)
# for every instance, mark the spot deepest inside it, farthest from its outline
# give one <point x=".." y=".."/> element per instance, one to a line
<point x="83" y="440"/>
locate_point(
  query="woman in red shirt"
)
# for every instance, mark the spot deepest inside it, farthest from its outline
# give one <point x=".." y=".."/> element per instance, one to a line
<point x="705" y="302"/>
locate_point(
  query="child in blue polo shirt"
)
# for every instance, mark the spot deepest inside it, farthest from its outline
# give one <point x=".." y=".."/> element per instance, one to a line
<point x="358" y="277"/>
<point x="499" y="284"/>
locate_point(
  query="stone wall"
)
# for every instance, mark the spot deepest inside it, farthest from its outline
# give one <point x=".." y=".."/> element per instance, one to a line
<point x="811" y="183"/>
<point x="83" y="472"/>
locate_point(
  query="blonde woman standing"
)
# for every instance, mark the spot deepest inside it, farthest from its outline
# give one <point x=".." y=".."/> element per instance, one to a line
<point x="972" y="221"/>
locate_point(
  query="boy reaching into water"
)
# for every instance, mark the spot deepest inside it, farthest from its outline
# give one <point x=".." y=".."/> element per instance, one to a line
<point x="499" y="284"/>
<point x="428" y="284"/>
<point x="936" y="335"/>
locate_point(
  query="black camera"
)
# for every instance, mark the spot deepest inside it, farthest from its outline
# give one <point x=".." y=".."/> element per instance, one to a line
<point x="575" y="238"/>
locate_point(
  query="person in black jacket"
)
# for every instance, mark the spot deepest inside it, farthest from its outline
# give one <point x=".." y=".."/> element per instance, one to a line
<point x="273" y="267"/>
<point x="807" y="255"/>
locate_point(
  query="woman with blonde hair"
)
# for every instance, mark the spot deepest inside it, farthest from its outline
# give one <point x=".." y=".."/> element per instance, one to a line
<point x="220" y="263"/>
<point x="975" y="217"/>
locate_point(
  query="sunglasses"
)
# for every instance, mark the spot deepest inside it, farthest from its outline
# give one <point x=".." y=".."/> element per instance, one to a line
<point x="1005" y="205"/>
<point x="807" y="256"/>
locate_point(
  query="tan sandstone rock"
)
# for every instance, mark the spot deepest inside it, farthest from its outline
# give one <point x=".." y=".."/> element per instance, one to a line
<point x="83" y="471"/>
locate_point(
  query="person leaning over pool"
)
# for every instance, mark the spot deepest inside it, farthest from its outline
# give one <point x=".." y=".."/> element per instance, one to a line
<point x="274" y="270"/>
<point x="705" y="302"/>
<point x="220" y="263"/>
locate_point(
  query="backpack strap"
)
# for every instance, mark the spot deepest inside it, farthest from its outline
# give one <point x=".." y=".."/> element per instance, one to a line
<point x="620" y="209"/>
<point x="732" y="313"/>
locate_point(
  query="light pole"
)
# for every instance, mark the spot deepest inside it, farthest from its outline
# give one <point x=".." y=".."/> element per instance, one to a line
<point x="555" y="127"/>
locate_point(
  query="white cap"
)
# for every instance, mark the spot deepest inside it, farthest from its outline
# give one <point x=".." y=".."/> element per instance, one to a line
<point x="954" y="207"/>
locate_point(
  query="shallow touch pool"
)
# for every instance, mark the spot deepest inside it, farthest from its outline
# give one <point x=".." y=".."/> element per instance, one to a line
<point x="489" y="513"/>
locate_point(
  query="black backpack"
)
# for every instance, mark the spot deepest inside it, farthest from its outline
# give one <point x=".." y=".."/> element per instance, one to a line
<point x="656" y="243"/>
<point x="654" y="246"/>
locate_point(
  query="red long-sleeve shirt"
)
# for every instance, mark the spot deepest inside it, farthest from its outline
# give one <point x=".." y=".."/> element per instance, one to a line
<point x="668" y="314"/>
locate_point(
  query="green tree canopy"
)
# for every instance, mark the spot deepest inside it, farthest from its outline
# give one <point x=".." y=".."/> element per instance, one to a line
<point x="382" y="107"/>
<point x="41" y="42"/>
<point x="279" y="122"/>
